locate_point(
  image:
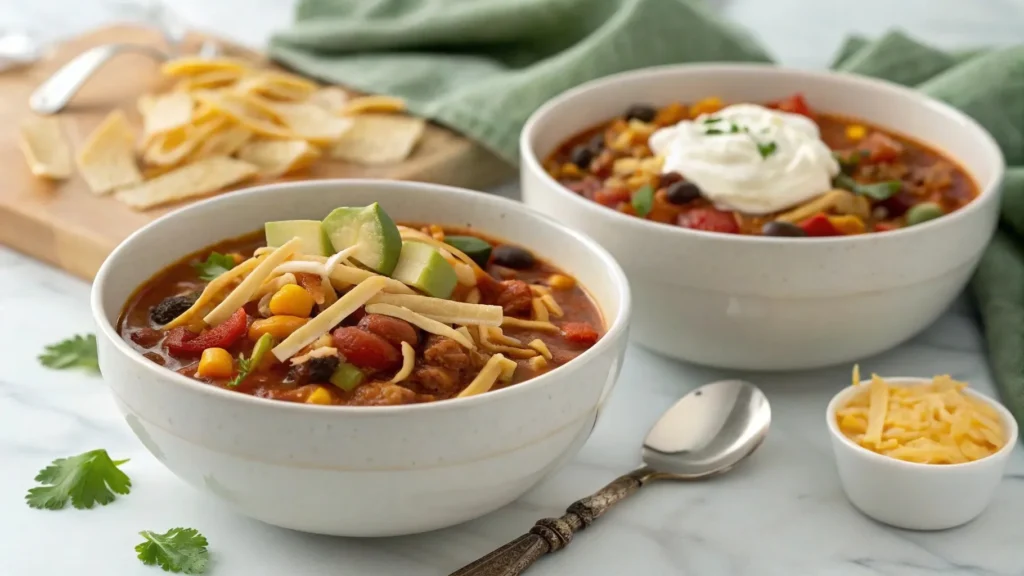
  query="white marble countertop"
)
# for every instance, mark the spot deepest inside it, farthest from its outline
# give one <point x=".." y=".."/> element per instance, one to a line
<point x="781" y="513"/>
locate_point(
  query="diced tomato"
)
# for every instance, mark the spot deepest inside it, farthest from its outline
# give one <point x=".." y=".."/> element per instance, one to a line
<point x="819" y="225"/>
<point x="611" y="197"/>
<point x="366" y="350"/>
<point x="181" y="341"/>
<point x="580" y="333"/>
<point x="709" y="220"/>
<point x="795" y="104"/>
<point x="880" y="147"/>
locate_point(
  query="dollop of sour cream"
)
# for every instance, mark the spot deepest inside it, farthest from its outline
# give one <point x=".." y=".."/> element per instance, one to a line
<point x="749" y="158"/>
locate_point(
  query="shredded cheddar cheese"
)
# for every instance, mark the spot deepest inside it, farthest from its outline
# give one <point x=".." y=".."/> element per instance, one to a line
<point x="934" y="423"/>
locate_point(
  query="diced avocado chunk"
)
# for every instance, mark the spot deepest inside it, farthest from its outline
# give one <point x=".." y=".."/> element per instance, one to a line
<point x="314" y="240"/>
<point x="422" y="266"/>
<point x="372" y="230"/>
<point x="347" y="377"/>
<point x="477" y="249"/>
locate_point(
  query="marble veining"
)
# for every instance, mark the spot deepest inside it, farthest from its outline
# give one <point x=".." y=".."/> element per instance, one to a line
<point x="782" y="513"/>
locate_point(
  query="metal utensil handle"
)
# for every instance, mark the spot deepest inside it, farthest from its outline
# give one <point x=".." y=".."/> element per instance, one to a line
<point x="55" y="93"/>
<point x="553" y="534"/>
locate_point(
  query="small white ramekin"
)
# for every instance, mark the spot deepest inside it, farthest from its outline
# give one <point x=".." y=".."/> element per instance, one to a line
<point x="917" y="496"/>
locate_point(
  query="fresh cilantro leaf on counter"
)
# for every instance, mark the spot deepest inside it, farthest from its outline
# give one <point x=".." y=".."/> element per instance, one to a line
<point x="177" y="550"/>
<point x="79" y="351"/>
<point x="215" y="265"/>
<point x="643" y="200"/>
<point x="84" y="479"/>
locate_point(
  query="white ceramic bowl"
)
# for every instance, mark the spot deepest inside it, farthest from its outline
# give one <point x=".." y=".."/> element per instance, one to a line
<point x="360" y="471"/>
<point x="754" y="302"/>
<point x="911" y="495"/>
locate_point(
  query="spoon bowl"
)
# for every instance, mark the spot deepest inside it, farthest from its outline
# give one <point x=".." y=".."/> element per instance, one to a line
<point x="706" y="433"/>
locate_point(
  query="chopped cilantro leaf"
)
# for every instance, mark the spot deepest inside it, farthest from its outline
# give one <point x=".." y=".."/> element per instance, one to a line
<point x="215" y="265"/>
<point x="733" y="129"/>
<point x="766" y="148"/>
<point x="877" y="190"/>
<point x="76" y="352"/>
<point x="643" y="200"/>
<point x="711" y="120"/>
<point x="84" y="479"/>
<point x="177" y="550"/>
<point x="713" y="132"/>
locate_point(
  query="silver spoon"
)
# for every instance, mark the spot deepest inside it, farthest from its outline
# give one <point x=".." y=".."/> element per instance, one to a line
<point x="706" y="433"/>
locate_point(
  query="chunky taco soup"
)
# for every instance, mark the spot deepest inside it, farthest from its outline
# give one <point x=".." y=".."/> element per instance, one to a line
<point x="778" y="169"/>
<point x="355" y="310"/>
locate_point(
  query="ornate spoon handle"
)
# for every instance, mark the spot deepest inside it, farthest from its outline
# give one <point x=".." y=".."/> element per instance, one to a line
<point x="553" y="534"/>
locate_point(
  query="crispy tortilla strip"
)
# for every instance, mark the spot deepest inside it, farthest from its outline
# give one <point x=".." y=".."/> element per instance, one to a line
<point x="332" y="99"/>
<point x="379" y="139"/>
<point x="278" y="85"/>
<point x="193" y="66"/>
<point x="107" y="160"/>
<point x="45" y="149"/>
<point x="170" y="148"/>
<point x="166" y="112"/>
<point x="198" y="179"/>
<point x="210" y="79"/>
<point x="279" y="157"/>
<point x="311" y="122"/>
<point x="244" y="111"/>
<point x="224" y="142"/>
<point x="367" y="104"/>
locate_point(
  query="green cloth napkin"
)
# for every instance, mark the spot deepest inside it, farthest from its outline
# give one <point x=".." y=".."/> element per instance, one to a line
<point x="483" y="66"/>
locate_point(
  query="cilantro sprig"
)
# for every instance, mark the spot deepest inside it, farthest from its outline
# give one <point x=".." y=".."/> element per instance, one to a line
<point x="247" y="365"/>
<point x="876" y="191"/>
<point x="179" y="550"/>
<point x="79" y="351"/>
<point x="85" y="480"/>
<point x="711" y="128"/>
<point x="214" y="265"/>
<point x="643" y="200"/>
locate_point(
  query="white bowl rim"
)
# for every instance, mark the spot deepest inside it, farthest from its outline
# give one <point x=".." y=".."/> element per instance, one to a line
<point x="985" y="139"/>
<point x="1004" y="414"/>
<point x="612" y="333"/>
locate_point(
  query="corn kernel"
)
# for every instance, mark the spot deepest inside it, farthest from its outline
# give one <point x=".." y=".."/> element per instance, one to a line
<point x="280" y="327"/>
<point x="856" y="132"/>
<point x="238" y="258"/>
<point x="571" y="170"/>
<point x="215" y="363"/>
<point x="641" y="129"/>
<point x="706" y="106"/>
<point x="622" y="141"/>
<point x="291" y="300"/>
<point x="625" y="166"/>
<point x="319" y="396"/>
<point x="436" y="232"/>
<point x="561" y="281"/>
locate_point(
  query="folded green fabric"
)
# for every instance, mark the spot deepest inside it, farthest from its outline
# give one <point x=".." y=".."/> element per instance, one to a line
<point x="483" y="66"/>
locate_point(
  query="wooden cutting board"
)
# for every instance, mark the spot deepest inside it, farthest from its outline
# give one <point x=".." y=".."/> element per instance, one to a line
<point x="65" y="224"/>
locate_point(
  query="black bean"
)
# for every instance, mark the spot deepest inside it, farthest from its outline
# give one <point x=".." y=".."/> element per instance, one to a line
<point x="512" y="257"/>
<point x="777" y="228"/>
<point x="596" y="144"/>
<point x="669" y="178"/>
<point x="682" y="192"/>
<point x="319" y="370"/>
<point x="581" y="156"/>
<point x="170" y="308"/>
<point x="641" y="112"/>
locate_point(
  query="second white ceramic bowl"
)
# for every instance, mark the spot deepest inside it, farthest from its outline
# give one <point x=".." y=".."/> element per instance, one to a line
<point x="911" y="495"/>
<point x="360" y="471"/>
<point x="755" y="302"/>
